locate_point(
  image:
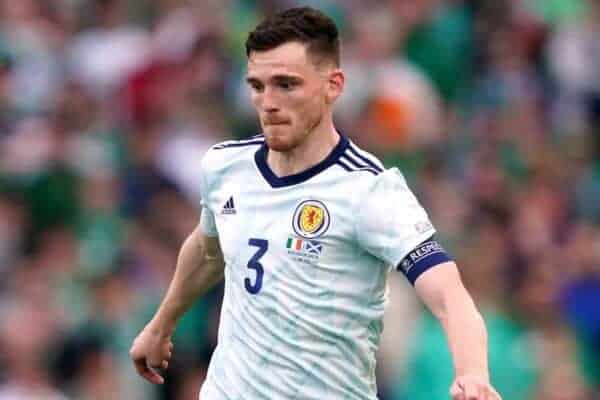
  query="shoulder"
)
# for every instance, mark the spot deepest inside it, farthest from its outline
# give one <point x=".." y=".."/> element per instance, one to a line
<point x="226" y="157"/>
<point x="223" y="155"/>
<point x="235" y="148"/>
<point x="367" y="175"/>
<point x="362" y="174"/>
<point x="358" y="165"/>
<point x="239" y="144"/>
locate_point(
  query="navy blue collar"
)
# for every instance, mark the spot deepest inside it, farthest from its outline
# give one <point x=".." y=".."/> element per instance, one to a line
<point x="276" y="182"/>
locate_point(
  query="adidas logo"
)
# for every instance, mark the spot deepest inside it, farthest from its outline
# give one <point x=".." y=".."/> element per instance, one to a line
<point x="229" y="207"/>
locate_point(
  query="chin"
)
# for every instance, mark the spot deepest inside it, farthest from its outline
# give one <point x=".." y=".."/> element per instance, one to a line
<point x="278" y="143"/>
<point x="279" y="139"/>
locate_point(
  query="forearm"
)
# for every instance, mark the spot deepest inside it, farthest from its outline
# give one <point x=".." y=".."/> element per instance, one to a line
<point x="443" y="292"/>
<point x="199" y="268"/>
<point x="467" y="336"/>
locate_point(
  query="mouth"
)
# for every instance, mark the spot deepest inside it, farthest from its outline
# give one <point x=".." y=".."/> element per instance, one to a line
<point x="276" y="122"/>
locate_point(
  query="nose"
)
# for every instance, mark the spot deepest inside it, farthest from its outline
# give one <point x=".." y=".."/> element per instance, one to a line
<point x="268" y="102"/>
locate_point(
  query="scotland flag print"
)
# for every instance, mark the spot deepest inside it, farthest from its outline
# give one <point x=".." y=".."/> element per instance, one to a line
<point x="304" y="250"/>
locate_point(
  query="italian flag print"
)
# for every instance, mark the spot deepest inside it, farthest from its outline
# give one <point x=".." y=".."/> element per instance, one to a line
<point x="295" y="244"/>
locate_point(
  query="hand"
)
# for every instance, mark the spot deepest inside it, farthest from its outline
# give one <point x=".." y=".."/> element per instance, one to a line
<point x="151" y="350"/>
<point x="472" y="387"/>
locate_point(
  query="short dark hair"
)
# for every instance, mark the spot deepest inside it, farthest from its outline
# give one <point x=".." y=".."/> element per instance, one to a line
<point x="301" y="24"/>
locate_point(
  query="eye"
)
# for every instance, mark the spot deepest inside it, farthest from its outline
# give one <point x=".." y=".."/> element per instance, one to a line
<point x="256" y="86"/>
<point x="286" y="85"/>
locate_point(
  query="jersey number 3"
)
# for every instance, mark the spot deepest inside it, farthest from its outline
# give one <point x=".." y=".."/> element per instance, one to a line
<point x="255" y="264"/>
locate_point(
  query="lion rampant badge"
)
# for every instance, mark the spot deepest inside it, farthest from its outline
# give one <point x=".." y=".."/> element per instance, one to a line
<point x="311" y="219"/>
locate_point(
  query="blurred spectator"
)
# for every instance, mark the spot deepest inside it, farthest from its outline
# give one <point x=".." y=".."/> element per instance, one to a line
<point x="27" y="373"/>
<point x="103" y="55"/>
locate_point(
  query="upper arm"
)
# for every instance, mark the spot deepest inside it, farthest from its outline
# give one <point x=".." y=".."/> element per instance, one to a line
<point x="439" y="286"/>
<point x="390" y="221"/>
<point x="393" y="226"/>
<point x="208" y="243"/>
<point x="207" y="224"/>
<point x="205" y="237"/>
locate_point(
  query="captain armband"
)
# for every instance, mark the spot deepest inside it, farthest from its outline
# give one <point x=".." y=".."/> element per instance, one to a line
<point x="426" y="255"/>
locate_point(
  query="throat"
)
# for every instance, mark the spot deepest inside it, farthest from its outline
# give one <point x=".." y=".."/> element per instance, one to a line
<point x="301" y="157"/>
<point x="288" y="163"/>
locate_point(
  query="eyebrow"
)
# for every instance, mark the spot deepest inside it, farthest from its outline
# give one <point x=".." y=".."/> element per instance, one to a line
<point x="251" y="80"/>
<point x="275" y="78"/>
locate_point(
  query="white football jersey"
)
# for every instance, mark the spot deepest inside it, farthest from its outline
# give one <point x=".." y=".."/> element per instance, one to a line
<point x="307" y="258"/>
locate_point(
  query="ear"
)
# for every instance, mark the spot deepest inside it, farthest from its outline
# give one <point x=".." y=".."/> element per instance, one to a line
<point x="335" y="85"/>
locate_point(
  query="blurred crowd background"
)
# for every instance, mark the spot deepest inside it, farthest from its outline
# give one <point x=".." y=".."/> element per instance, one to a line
<point x="491" y="109"/>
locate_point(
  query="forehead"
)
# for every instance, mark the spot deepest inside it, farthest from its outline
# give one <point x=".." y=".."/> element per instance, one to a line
<point x="289" y="58"/>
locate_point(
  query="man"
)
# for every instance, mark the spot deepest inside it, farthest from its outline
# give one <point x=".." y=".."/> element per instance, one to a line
<point x="304" y="227"/>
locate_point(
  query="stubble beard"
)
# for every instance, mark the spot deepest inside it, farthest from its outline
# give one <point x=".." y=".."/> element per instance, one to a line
<point x="276" y="143"/>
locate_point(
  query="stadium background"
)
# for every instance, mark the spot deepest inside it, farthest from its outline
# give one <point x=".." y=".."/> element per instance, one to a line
<point x="490" y="108"/>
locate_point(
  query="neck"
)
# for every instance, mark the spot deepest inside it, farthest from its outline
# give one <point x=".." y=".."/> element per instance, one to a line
<point x="314" y="149"/>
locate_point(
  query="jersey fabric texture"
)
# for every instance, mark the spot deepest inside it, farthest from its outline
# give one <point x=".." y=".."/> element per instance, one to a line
<point x="307" y="258"/>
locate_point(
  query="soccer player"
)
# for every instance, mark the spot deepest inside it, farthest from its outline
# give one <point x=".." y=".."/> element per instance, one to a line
<point x="304" y="228"/>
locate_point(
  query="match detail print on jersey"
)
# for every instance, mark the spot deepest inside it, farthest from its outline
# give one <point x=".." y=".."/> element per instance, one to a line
<point x="311" y="219"/>
<point x="304" y="250"/>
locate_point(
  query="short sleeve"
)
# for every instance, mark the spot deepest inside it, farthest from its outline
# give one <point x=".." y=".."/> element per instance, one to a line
<point x="207" y="222"/>
<point x="390" y="221"/>
<point x="208" y="225"/>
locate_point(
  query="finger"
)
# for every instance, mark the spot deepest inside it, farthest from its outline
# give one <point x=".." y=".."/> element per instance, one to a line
<point x="456" y="392"/>
<point x="494" y="395"/>
<point x="483" y="392"/>
<point x="165" y="364"/>
<point x="488" y="393"/>
<point x="146" y="372"/>
<point x="167" y="350"/>
<point x="471" y="392"/>
<point x="157" y="360"/>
